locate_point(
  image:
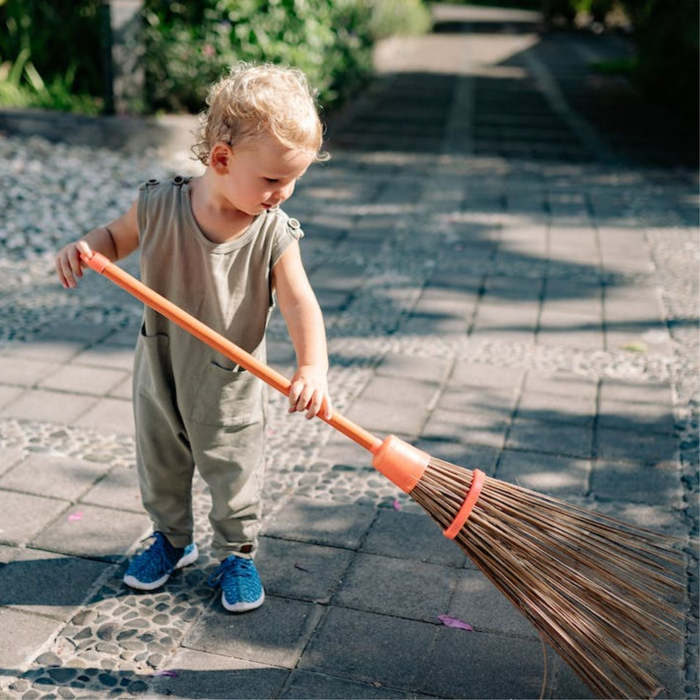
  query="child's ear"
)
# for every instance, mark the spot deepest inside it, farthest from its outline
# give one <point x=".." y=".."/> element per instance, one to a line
<point x="220" y="158"/>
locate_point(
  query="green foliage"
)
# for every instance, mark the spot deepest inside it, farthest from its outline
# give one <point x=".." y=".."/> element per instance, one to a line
<point x="57" y="33"/>
<point x="405" y="17"/>
<point x="191" y="44"/>
<point x="54" y="54"/>
<point x="53" y="48"/>
<point x="21" y="85"/>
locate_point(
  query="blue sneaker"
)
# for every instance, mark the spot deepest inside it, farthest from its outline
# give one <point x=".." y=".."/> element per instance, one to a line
<point x="152" y="568"/>
<point x="241" y="588"/>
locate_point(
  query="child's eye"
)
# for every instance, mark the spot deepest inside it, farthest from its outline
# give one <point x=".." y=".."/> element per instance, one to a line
<point x="271" y="179"/>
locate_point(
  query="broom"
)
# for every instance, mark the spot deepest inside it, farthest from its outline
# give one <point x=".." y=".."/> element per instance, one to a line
<point x="595" y="587"/>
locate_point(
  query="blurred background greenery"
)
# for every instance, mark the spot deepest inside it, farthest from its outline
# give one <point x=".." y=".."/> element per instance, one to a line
<point x="52" y="51"/>
<point x="190" y="44"/>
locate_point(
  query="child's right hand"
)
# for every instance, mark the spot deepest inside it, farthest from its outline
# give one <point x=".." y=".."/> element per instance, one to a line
<point x="69" y="266"/>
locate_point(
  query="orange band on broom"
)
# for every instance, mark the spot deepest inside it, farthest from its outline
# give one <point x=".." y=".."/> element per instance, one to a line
<point x="478" y="478"/>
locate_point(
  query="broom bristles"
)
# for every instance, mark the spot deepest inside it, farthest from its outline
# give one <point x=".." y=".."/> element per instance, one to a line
<point x="596" y="588"/>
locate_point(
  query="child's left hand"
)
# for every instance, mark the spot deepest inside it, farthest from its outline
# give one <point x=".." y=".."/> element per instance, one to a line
<point x="309" y="392"/>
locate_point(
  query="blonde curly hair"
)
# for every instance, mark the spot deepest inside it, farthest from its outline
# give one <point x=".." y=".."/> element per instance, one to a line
<point x="255" y="100"/>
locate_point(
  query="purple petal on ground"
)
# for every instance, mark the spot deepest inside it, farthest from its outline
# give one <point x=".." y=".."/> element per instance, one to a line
<point x="396" y="504"/>
<point x="455" y="622"/>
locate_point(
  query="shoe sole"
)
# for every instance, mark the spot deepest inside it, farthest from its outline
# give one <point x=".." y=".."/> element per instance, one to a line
<point x="188" y="559"/>
<point x="185" y="560"/>
<point x="242" y="607"/>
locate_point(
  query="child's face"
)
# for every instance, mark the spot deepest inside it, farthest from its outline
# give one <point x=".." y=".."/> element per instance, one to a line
<point x="262" y="174"/>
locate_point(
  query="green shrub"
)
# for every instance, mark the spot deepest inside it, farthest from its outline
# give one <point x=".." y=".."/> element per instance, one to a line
<point x="57" y="34"/>
<point x="21" y="85"/>
<point x="52" y="54"/>
<point x="391" y="17"/>
<point x="189" y="45"/>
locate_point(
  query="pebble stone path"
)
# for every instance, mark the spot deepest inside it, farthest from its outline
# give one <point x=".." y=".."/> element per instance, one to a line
<point x="499" y="286"/>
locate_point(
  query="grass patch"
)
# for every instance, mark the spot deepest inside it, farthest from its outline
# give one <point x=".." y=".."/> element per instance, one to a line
<point x="22" y="86"/>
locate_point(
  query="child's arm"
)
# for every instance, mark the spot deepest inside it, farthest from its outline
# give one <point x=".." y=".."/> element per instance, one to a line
<point x="115" y="241"/>
<point x="297" y="301"/>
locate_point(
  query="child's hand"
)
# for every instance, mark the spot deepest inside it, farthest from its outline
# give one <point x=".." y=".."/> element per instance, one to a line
<point x="69" y="266"/>
<point x="309" y="392"/>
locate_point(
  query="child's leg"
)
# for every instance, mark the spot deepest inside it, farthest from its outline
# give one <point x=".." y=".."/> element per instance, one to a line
<point x="165" y="468"/>
<point x="231" y="461"/>
<point x="226" y="430"/>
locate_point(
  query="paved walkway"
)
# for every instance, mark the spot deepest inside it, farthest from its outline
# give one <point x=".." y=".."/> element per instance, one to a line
<point x="502" y="286"/>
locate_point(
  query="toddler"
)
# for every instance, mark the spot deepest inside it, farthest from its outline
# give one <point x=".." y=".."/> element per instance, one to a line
<point x="218" y="246"/>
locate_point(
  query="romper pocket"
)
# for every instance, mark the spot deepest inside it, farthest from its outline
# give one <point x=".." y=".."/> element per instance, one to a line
<point x="152" y="370"/>
<point x="227" y="396"/>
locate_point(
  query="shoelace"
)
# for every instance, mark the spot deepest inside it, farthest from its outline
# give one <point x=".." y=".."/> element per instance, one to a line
<point x="242" y="568"/>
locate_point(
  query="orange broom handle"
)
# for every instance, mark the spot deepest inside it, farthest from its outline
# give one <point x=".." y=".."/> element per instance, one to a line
<point x="101" y="264"/>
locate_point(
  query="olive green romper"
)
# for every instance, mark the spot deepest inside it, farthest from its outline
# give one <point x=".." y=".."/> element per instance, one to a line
<point x="193" y="406"/>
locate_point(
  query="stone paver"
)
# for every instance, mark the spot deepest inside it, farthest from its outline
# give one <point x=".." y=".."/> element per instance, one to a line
<point x="29" y="633"/>
<point x="118" y="489"/>
<point x="8" y="394"/>
<point x="652" y="483"/>
<point x="198" y="674"/>
<point x="447" y="674"/>
<point x="410" y="536"/>
<point x="312" y="520"/>
<point x="109" y="415"/>
<point x="90" y="531"/>
<point x="47" y="584"/>
<point x="397" y="587"/>
<point x="274" y="634"/>
<point x="505" y="282"/>
<point x="48" y="406"/>
<point x="554" y="438"/>
<point x="57" y="476"/>
<point x="78" y="379"/>
<point x="22" y="515"/>
<point x="302" y="571"/>
<point x="555" y="475"/>
<point x="24" y="371"/>
<point x="477" y="601"/>
<point x="342" y="647"/>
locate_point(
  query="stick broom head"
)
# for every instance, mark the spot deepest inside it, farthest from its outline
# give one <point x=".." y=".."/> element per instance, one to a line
<point x="597" y="589"/>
